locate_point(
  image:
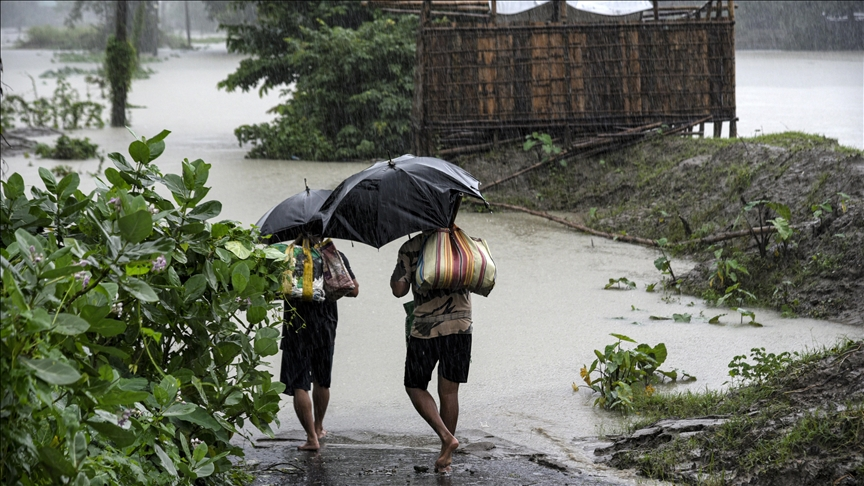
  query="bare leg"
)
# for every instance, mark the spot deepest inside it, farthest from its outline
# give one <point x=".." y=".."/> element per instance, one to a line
<point x="426" y="407"/>
<point x="448" y="394"/>
<point x="320" y="400"/>
<point x="303" y="409"/>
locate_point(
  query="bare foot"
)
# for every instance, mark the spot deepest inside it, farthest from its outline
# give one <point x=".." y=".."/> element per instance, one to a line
<point x="442" y="465"/>
<point x="321" y="433"/>
<point x="309" y="446"/>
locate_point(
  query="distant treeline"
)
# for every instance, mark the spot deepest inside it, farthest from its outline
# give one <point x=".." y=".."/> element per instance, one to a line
<point x="828" y="25"/>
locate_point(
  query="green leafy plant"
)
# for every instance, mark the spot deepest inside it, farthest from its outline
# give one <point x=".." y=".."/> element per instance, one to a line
<point x="663" y="264"/>
<point x="821" y="209"/>
<point x="764" y="366"/>
<point x="764" y="210"/>
<point x="546" y="144"/>
<point x="615" y="283"/>
<point x="133" y="329"/>
<point x="64" y="109"/>
<point x="723" y="269"/>
<point x="747" y="313"/>
<point x="844" y="201"/>
<point x="736" y="293"/>
<point x="784" y="231"/>
<point x="619" y="370"/>
<point x="67" y="148"/>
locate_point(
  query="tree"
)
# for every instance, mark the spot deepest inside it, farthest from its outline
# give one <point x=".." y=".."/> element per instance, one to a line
<point x="348" y="72"/>
<point x="120" y="62"/>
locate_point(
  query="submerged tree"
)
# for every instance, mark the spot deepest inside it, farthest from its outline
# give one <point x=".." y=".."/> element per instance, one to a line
<point x="120" y="61"/>
<point x="346" y="70"/>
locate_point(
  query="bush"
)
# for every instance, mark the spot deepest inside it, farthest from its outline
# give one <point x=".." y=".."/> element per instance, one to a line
<point x="68" y="149"/>
<point x="50" y="37"/>
<point x="133" y="328"/>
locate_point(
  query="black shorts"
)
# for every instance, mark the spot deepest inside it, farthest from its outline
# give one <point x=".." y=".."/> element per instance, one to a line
<point x="301" y="365"/>
<point x="452" y="353"/>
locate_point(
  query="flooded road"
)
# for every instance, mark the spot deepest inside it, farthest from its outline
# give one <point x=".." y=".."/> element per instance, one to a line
<point x="549" y="310"/>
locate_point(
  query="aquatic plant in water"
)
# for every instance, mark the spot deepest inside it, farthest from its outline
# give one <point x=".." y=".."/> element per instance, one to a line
<point x="619" y="370"/>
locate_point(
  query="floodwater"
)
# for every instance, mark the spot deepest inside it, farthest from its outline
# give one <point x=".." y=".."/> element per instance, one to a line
<point x="549" y="310"/>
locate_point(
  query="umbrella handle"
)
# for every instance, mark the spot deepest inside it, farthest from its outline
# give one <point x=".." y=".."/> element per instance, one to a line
<point x="455" y="211"/>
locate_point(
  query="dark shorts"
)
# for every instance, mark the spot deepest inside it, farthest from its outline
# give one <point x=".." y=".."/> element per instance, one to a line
<point x="301" y="365"/>
<point x="452" y="353"/>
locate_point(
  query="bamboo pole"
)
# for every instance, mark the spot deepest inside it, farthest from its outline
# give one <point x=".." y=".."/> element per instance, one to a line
<point x="595" y="145"/>
<point x="635" y="239"/>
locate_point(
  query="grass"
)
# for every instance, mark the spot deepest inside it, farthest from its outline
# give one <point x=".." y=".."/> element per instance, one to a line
<point x="765" y="429"/>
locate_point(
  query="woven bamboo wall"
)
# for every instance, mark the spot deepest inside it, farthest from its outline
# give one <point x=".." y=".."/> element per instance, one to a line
<point x="574" y="77"/>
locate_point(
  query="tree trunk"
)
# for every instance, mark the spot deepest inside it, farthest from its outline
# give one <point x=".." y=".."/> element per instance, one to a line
<point x="188" y="25"/>
<point x="118" y="98"/>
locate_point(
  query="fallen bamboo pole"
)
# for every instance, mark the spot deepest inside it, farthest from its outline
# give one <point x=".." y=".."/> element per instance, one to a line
<point x="635" y="239"/>
<point x="584" y="229"/>
<point x="596" y="145"/>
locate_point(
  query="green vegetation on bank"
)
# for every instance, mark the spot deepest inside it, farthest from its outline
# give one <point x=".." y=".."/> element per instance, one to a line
<point x="803" y="188"/>
<point x="102" y="384"/>
<point x="769" y="422"/>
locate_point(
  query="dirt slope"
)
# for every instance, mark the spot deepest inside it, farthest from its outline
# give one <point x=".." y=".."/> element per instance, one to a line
<point x="681" y="189"/>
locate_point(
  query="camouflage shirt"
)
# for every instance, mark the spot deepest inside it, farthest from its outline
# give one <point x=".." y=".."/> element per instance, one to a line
<point x="438" y="312"/>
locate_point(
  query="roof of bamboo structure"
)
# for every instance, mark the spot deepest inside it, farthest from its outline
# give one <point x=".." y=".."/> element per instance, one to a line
<point x="480" y="10"/>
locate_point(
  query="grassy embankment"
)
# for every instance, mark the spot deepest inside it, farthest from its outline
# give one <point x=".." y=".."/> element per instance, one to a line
<point x="684" y="189"/>
<point x="789" y="414"/>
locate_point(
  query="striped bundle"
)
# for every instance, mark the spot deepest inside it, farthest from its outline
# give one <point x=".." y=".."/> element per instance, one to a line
<point x="450" y="259"/>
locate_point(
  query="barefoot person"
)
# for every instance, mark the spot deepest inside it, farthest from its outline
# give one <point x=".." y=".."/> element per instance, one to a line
<point x="441" y="334"/>
<point x="307" y="359"/>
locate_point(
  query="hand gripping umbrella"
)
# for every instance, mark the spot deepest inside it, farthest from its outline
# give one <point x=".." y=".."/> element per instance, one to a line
<point x="393" y="198"/>
<point x="294" y="216"/>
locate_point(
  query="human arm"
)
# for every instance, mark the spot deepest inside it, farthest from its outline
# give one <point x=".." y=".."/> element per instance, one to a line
<point x="399" y="287"/>
<point x="399" y="280"/>
<point x="356" y="289"/>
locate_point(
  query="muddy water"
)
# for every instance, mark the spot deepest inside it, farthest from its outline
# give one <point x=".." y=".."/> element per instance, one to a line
<point x="547" y="314"/>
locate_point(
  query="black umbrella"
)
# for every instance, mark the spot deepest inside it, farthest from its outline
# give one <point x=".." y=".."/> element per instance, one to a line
<point x="393" y="198"/>
<point x="294" y="216"/>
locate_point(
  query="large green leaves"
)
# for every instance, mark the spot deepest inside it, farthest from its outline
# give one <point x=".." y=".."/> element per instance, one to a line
<point x="121" y="325"/>
<point x="52" y="371"/>
<point x="137" y="226"/>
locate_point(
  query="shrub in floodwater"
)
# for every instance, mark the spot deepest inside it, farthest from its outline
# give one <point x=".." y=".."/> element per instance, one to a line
<point x="619" y="370"/>
<point x="64" y="109"/>
<point x="134" y="330"/>
<point x="67" y="148"/>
